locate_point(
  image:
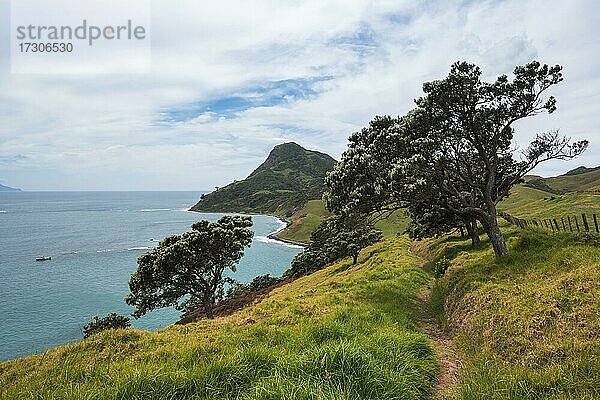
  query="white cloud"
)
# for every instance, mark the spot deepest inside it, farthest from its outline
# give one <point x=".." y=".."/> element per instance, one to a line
<point x="109" y="132"/>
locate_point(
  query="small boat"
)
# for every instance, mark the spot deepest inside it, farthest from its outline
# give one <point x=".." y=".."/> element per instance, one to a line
<point x="43" y="258"/>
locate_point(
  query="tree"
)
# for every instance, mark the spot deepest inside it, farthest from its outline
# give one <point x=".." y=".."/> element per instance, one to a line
<point x="334" y="238"/>
<point x="111" y="321"/>
<point x="363" y="181"/>
<point x="360" y="184"/>
<point x="450" y="160"/>
<point x="467" y="128"/>
<point x="349" y="236"/>
<point x="186" y="271"/>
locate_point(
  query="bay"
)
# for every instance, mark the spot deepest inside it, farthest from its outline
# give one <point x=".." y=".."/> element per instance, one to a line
<point x="94" y="239"/>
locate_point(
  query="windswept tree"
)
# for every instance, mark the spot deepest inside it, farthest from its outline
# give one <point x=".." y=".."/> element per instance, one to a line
<point x="364" y="181"/>
<point x="467" y="127"/>
<point x="186" y="271"/>
<point x="451" y="159"/>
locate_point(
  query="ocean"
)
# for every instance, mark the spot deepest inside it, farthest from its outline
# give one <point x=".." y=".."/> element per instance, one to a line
<point x="94" y="239"/>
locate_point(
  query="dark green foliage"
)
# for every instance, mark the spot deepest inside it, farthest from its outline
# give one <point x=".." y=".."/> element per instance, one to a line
<point x="450" y="161"/>
<point x="260" y="282"/>
<point x="334" y="238"/>
<point x="111" y="321"/>
<point x="467" y="126"/>
<point x="360" y="182"/>
<point x="288" y="178"/>
<point x="440" y="267"/>
<point x="186" y="271"/>
<point x="581" y="170"/>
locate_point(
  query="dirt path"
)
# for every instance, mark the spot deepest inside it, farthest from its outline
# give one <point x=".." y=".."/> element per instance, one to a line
<point x="450" y="363"/>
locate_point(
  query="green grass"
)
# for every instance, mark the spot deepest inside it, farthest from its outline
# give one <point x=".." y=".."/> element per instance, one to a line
<point x="345" y="332"/>
<point x="393" y="225"/>
<point x="568" y="182"/>
<point x="528" y="324"/>
<point x="529" y="203"/>
<point x="304" y="221"/>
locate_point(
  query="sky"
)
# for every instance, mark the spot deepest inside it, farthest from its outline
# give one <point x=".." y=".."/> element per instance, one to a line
<point x="231" y="79"/>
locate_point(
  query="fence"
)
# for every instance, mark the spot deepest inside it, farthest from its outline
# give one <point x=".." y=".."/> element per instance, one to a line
<point x="570" y="223"/>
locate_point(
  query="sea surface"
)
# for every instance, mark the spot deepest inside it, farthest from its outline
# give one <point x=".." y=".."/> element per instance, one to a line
<point x="94" y="239"/>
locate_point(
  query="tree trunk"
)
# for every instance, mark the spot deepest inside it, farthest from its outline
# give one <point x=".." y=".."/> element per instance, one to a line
<point x="490" y="224"/>
<point x="354" y="258"/>
<point x="208" y="308"/>
<point x="473" y="233"/>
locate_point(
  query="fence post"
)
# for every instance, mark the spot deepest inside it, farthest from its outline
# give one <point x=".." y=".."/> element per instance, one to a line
<point x="546" y="223"/>
<point x="562" y="220"/>
<point x="551" y="225"/>
<point x="585" y="223"/>
<point x="570" y="226"/>
<point x="596" y="223"/>
<point x="556" y="224"/>
<point x="576" y="222"/>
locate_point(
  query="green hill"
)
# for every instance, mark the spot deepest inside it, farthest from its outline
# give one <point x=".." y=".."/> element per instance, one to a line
<point x="345" y="332"/>
<point x="290" y="176"/>
<point x="526" y="325"/>
<point x="523" y="327"/>
<point x="577" y="180"/>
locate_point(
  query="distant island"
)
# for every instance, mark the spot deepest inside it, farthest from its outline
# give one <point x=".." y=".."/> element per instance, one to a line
<point x="8" y="189"/>
<point x="289" y="177"/>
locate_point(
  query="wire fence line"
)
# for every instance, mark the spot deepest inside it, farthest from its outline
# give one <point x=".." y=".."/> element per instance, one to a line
<point x="570" y="223"/>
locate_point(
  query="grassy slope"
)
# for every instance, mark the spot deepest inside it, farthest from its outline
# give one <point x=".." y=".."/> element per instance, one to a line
<point x="304" y="221"/>
<point x="289" y="177"/>
<point x="569" y="183"/>
<point x="528" y="323"/>
<point x="526" y="202"/>
<point x="345" y="332"/>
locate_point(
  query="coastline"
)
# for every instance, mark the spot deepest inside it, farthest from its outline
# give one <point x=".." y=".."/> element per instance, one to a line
<point x="272" y="235"/>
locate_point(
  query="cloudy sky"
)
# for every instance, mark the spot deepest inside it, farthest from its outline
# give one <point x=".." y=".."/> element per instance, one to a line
<point x="231" y="79"/>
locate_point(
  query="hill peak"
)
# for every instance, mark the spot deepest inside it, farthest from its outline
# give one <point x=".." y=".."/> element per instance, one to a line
<point x="289" y="177"/>
<point x="292" y="155"/>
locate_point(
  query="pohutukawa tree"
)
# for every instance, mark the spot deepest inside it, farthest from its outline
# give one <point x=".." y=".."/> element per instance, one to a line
<point x="186" y="271"/>
<point x="364" y="184"/>
<point x="467" y="126"/>
<point x="359" y="184"/>
<point x="336" y="237"/>
<point x="451" y="159"/>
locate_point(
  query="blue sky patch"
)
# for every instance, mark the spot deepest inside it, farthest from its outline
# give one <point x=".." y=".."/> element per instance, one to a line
<point x="269" y="94"/>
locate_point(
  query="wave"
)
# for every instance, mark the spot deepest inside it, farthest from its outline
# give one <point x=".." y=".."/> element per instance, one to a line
<point x="154" y="209"/>
<point x="139" y="248"/>
<point x="104" y="251"/>
<point x="265" y="239"/>
<point x="3" y="212"/>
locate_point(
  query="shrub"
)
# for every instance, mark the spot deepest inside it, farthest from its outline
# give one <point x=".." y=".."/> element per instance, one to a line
<point x="258" y="283"/>
<point x="111" y="321"/>
<point x="440" y="267"/>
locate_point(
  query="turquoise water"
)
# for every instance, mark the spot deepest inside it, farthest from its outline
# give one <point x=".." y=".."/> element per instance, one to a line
<point x="94" y="239"/>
